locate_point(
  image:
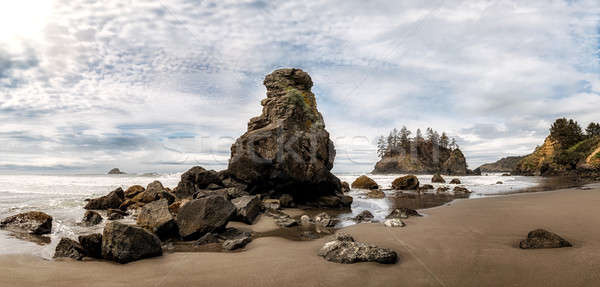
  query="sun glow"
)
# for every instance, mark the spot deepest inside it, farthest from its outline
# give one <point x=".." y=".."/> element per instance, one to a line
<point x="23" y="20"/>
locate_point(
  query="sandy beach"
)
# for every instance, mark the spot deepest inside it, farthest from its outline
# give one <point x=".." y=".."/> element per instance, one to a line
<point x="466" y="243"/>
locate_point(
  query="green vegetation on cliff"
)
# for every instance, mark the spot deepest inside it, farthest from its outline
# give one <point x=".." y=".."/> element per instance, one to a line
<point x="567" y="150"/>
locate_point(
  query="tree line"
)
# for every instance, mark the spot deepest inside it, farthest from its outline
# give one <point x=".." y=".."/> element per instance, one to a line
<point x="399" y="141"/>
<point x="568" y="132"/>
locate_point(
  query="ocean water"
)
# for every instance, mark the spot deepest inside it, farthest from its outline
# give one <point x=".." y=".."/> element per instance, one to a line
<point x="62" y="197"/>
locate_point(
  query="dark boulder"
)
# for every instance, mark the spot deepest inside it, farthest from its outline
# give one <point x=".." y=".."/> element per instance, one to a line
<point x="204" y="215"/>
<point x="286" y="149"/>
<point x="427" y="186"/>
<point x="124" y="243"/>
<point x="92" y="244"/>
<point x="91" y="218"/>
<point x="403" y="213"/>
<point x="116" y="171"/>
<point x="347" y="251"/>
<point x="364" y="182"/>
<point x="455" y="181"/>
<point x="112" y="200"/>
<point x="33" y="222"/>
<point x="409" y="182"/>
<point x="247" y="208"/>
<point x="541" y="238"/>
<point x="156" y="217"/>
<point x="459" y="190"/>
<point x="286" y="200"/>
<point x="437" y="178"/>
<point x="134" y="190"/>
<point x="115" y="214"/>
<point x="345" y="187"/>
<point x="195" y="179"/>
<point x="69" y="248"/>
<point x="364" y="216"/>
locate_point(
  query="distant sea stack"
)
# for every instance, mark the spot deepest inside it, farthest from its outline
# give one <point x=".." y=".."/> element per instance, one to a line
<point x="286" y="149"/>
<point x="507" y="164"/>
<point x="116" y="171"/>
<point x="400" y="153"/>
<point x="566" y="151"/>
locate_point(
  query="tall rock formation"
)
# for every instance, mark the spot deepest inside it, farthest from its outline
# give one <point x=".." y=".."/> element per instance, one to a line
<point x="286" y="149"/>
<point x="424" y="158"/>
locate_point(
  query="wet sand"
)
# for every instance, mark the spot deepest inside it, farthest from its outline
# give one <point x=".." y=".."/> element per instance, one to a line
<point x="466" y="243"/>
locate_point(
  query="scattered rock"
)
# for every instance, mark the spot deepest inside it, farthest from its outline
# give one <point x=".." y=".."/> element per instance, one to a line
<point x="134" y="190"/>
<point x="443" y="189"/>
<point x="376" y="193"/>
<point x="91" y="218"/>
<point x="365" y="216"/>
<point x="116" y="171"/>
<point x="33" y="222"/>
<point x="459" y="190"/>
<point x="365" y="182"/>
<point x="403" y="213"/>
<point x="204" y="215"/>
<point x="437" y="178"/>
<point x="287" y="149"/>
<point x="92" y="244"/>
<point x="409" y="182"/>
<point x="345" y="250"/>
<point x="455" y="181"/>
<point x="124" y="243"/>
<point x="541" y="238"/>
<point x="112" y="200"/>
<point x="247" y="208"/>
<point x="116" y="214"/>
<point x="394" y="222"/>
<point x="271" y="204"/>
<point x="69" y="248"/>
<point x="195" y="179"/>
<point x="237" y="243"/>
<point x="155" y="216"/>
<point x="323" y="219"/>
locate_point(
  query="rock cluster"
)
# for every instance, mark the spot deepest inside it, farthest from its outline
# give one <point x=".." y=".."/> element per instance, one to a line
<point x="345" y="250"/>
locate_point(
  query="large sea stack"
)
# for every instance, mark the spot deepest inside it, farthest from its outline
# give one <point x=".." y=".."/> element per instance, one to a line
<point x="286" y="149"/>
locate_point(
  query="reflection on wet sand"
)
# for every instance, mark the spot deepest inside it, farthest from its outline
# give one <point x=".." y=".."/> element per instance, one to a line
<point x="414" y="200"/>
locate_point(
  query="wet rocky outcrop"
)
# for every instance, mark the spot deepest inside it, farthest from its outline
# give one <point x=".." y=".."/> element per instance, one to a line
<point x="33" y="222"/>
<point x="92" y="244"/>
<point x="91" y="218"/>
<point x="345" y="250"/>
<point x="196" y="179"/>
<point x="409" y="182"/>
<point x="69" y="248"/>
<point x="287" y="149"/>
<point x="364" y="182"/>
<point x="157" y="218"/>
<point x="247" y="208"/>
<point x="541" y="238"/>
<point x="204" y="215"/>
<point x="125" y="243"/>
<point x="112" y="200"/>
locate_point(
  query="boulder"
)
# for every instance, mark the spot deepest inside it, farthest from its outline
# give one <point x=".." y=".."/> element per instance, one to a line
<point x="459" y="190"/>
<point x="247" y="208"/>
<point x="92" y="244"/>
<point x="204" y="215"/>
<point x="134" y="190"/>
<point x="91" y="218"/>
<point x="112" y="200"/>
<point x="69" y="248"/>
<point x="394" y="222"/>
<point x="124" y="243"/>
<point x="409" y="182"/>
<point x="115" y="171"/>
<point x="323" y="219"/>
<point x="427" y="186"/>
<point x="345" y="187"/>
<point x="402" y="212"/>
<point x="33" y="222"/>
<point x="376" y="193"/>
<point x="286" y="149"/>
<point x="442" y="189"/>
<point x="195" y="179"/>
<point x="499" y="182"/>
<point x="455" y="181"/>
<point x="155" y="216"/>
<point x="364" y="182"/>
<point x="541" y="238"/>
<point x="345" y="250"/>
<point x="364" y="216"/>
<point x="437" y="178"/>
<point x="115" y="214"/>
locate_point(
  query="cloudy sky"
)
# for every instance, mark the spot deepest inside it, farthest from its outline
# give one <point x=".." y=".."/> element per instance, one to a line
<point x="163" y="85"/>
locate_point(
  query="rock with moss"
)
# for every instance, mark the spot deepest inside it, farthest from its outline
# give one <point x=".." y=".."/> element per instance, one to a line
<point x="364" y="182"/>
<point x="287" y="149"/>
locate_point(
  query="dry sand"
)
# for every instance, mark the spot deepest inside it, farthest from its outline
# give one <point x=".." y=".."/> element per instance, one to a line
<point x="469" y="243"/>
